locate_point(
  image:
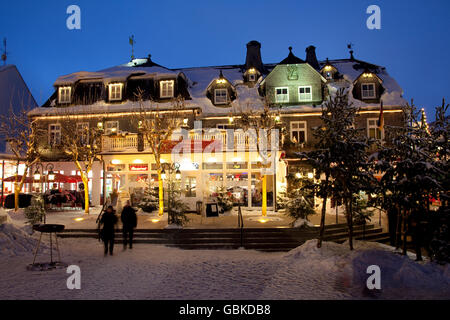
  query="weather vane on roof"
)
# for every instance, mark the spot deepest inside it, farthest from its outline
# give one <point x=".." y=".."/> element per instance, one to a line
<point x="132" y="42"/>
<point x="350" y="47"/>
<point x="4" y="52"/>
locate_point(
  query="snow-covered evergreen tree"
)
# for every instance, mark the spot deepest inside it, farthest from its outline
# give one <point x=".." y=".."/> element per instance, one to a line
<point x="298" y="200"/>
<point x="176" y="209"/>
<point x="340" y="156"/>
<point x="150" y="200"/>
<point x="412" y="173"/>
<point x="35" y="212"/>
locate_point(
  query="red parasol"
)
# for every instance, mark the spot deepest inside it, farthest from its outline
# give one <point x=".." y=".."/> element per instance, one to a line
<point x="61" y="178"/>
<point x="13" y="179"/>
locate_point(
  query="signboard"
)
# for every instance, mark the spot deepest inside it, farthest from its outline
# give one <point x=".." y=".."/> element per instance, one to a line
<point x="138" y="167"/>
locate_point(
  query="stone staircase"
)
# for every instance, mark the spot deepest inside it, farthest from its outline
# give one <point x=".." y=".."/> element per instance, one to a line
<point x="263" y="239"/>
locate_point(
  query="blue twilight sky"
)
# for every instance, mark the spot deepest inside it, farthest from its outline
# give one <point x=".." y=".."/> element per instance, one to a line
<point x="413" y="43"/>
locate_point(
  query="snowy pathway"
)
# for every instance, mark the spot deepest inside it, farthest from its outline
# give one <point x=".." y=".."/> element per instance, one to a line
<point x="158" y="272"/>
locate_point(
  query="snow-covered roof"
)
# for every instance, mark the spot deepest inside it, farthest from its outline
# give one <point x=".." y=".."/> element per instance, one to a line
<point x="199" y="78"/>
<point x="119" y="73"/>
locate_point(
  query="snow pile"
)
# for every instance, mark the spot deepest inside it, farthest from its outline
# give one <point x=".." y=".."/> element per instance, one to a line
<point x="299" y="223"/>
<point x="14" y="241"/>
<point x="401" y="277"/>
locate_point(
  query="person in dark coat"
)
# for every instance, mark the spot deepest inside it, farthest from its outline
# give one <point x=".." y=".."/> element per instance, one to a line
<point x="129" y="222"/>
<point x="109" y="221"/>
<point x="417" y="233"/>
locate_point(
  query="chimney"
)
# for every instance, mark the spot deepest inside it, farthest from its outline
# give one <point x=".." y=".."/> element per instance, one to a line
<point x="311" y="57"/>
<point x="253" y="59"/>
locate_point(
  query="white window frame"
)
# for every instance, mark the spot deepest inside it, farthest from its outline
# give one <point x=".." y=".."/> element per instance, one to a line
<point x="374" y="90"/>
<point x="252" y="75"/>
<point x="82" y="132"/>
<point x="374" y="126"/>
<point x="109" y="125"/>
<point x="113" y="94"/>
<point x="54" y="134"/>
<point x="284" y="95"/>
<point x="64" y="94"/>
<point x="298" y="129"/>
<point x="164" y="92"/>
<point x="215" y="96"/>
<point x="300" y="94"/>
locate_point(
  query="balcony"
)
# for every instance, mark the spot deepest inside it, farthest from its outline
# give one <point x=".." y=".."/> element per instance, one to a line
<point x="129" y="142"/>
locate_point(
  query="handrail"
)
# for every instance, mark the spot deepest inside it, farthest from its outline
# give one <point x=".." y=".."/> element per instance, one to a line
<point x="240" y="224"/>
<point x="101" y="212"/>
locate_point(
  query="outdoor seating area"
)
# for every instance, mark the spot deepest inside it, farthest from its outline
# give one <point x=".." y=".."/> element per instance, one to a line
<point x="57" y="199"/>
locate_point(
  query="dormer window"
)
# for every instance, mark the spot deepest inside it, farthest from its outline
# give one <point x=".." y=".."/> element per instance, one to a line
<point x="220" y="96"/>
<point x="328" y="71"/>
<point x="64" y="94"/>
<point x="115" y="91"/>
<point x="304" y="93"/>
<point x="166" y="88"/>
<point x="282" y="94"/>
<point x="368" y="91"/>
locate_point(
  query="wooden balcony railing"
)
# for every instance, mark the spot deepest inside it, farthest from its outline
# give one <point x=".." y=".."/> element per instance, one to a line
<point x="236" y="141"/>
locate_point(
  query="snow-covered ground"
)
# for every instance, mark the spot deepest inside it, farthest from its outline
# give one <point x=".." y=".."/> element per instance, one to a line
<point x="157" y="272"/>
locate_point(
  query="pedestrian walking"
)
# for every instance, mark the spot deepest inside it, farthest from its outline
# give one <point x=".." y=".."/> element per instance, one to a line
<point x="109" y="221"/>
<point x="129" y="222"/>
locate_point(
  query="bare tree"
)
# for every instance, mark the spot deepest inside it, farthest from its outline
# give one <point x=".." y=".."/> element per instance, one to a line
<point x="260" y="124"/>
<point x="82" y="144"/>
<point x="20" y="133"/>
<point x="155" y="129"/>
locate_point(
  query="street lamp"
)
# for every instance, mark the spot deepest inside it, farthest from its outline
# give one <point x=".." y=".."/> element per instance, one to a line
<point x="50" y="176"/>
<point x="170" y="168"/>
<point x="37" y="175"/>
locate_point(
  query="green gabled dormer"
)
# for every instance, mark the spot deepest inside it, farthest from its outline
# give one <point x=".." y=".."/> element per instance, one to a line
<point x="293" y="82"/>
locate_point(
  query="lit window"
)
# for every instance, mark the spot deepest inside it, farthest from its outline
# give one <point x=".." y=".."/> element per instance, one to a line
<point x="304" y="93"/>
<point x="190" y="187"/>
<point x="368" y="90"/>
<point x="328" y="75"/>
<point x="298" y="131"/>
<point x="220" y="96"/>
<point x="64" y="94"/>
<point x="83" y="132"/>
<point x="281" y="94"/>
<point x="54" y="134"/>
<point x="115" y="91"/>
<point x="111" y="127"/>
<point x="224" y="126"/>
<point x="373" y="131"/>
<point x="166" y="88"/>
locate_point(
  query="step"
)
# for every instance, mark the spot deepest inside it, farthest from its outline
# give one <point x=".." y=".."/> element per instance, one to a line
<point x="356" y="233"/>
<point x="262" y="239"/>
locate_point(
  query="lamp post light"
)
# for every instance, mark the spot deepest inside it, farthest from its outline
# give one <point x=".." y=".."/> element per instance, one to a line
<point x="50" y="176"/>
<point x="166" y="174"/>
